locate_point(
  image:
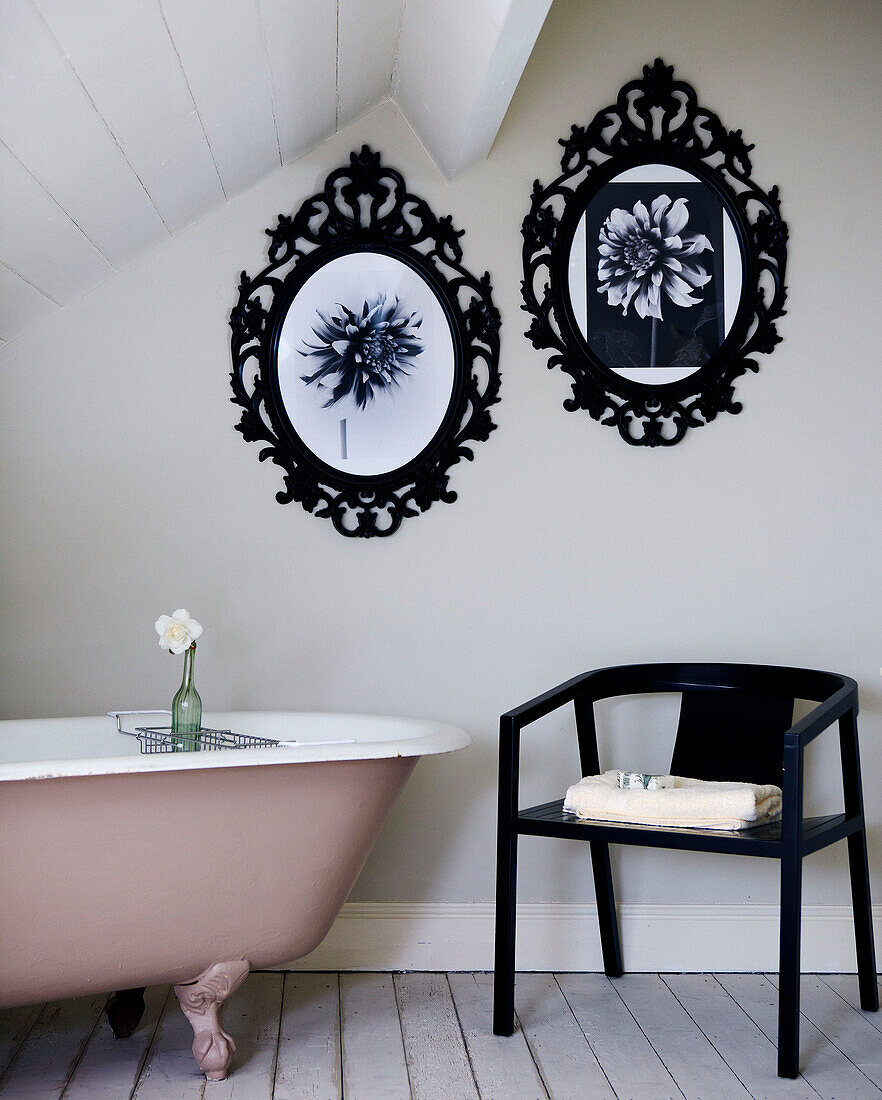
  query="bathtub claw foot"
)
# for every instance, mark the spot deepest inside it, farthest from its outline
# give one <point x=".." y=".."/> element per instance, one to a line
<point x="124" y="1011"/>
<point x="202" y="1001"/>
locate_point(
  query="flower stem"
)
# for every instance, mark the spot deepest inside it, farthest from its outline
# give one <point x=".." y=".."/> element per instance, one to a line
<point x="652" y="342"/>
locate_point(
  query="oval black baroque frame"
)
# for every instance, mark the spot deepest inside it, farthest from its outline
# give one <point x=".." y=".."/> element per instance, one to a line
<point x="655" y="120"/>
<point x="365" y="208"/>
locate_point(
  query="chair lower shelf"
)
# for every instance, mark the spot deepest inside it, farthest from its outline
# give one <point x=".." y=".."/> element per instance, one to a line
<point x="549" y="819"/>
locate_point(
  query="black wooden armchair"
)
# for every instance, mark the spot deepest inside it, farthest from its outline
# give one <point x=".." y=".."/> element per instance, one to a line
<point x="735" y="724"/>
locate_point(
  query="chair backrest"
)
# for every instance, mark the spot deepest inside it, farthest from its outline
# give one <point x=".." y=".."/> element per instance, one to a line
<point x="731" y="735"/>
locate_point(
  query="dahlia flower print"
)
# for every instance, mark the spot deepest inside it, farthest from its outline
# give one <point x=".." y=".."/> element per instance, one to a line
<point x="361" y="353"/>
<point x="645" y="258"/>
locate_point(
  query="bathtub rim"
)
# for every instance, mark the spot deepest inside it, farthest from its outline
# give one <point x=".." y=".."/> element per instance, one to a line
<point x="417" y="737"/>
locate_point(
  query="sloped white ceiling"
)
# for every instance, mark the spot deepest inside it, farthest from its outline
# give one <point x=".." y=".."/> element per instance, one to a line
<point x="124" y="121"/>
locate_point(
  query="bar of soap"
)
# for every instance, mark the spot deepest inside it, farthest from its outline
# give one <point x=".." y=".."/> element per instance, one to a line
<point x="641" y="781"/>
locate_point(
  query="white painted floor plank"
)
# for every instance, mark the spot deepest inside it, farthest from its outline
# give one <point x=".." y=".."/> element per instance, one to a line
<point x="252" y="1017"/>
<point x="842" y="1025"/>
<point x="48" y="1056"/>
<point x="309" y="1061"/>
<point x="694" y="1064"/>
<point x="631" y="1065"/>
<point x="170" y="1071"/>
<point x="15" y="1025"/>
<point x="428" y="1037"/>
<point x="740" y="1042"/>
<point x="110" y="1067"/>
<point x="436" y="1055"/>
<point x="564" y="1057"/>
<point x="697" y="1068"/>
<point x="503" y="1065"/>
<point x="825" y="1068"/>
<point x="373" y="1047"/>
<point x="846" y="985"/>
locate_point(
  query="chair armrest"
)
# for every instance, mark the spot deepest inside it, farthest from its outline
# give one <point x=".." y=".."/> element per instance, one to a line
<point x="824" y="715"/>
<point x="549" y="701"/>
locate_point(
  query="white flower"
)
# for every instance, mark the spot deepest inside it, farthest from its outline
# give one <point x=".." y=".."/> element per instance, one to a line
<point x="177" y="632"/>
<point x="644" y="254"/>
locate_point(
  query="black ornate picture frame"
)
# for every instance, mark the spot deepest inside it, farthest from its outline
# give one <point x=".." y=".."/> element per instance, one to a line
<point x="375" y="352"/>
<point x="653" y="264"/>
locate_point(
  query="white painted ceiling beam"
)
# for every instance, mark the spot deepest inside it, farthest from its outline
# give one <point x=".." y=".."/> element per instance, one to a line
<point x="22" y="306"/>
<point x="40" y="242"/>
<point x="301" y="48"/>
<point x="48" y="121"/>
<point x="222" y="50"/>
<point x="366" y="45"/>
<point x="123" y="55"/>
<point x="457" y="71"/>
<point x="123" y="121"/>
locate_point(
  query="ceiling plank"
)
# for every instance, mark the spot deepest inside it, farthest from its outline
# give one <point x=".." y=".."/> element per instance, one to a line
<point x="122" y="53"/>
<point x="368" y="38"/>
<point x="49" y="123"/>
<point x="455" y="77"/>
<point x="40" y="242"/>
<point x="301" y="46"/>
<point x="21" y="305"/>
<point x="222" y="51"/>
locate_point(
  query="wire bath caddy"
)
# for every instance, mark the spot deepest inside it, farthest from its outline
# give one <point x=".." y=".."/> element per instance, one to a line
<point x="154" y="739"/>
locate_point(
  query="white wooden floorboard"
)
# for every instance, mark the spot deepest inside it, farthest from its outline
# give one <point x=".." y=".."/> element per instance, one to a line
<point x="309" y="1039"/>
<point x="110" y="1067"/>
<point x="563" y="1055"/>
<point x="426" y="1036"/>
<point x="690" y="1059"/>
<point x="750" y="1053"/>
<point x="437" y="1060"/>
<point x="842" y="1025"/>
<point x="846" y="985"/>
<point x="252" y="1017"/>
<point x="503" y="1065"/>
<point x="373" y="1048"/>
<point x="48" y="1056"/>
<point x="170" y="1071"/>
<point x="631" y="1065"/>
<point x="15" y="1025"/>
<point x="825" y="1068"/>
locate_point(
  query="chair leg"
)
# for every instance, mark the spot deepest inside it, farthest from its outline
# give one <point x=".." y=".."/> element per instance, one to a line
<point x="863" y="921"/>
<point x="506" y="914"/>
<point x="857" y="863"/>
<point x="789" y="966"/>
<point x="606" y="909"/>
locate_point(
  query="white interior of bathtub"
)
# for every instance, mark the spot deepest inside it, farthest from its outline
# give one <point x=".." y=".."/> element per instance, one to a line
<point x="43" y="748"/>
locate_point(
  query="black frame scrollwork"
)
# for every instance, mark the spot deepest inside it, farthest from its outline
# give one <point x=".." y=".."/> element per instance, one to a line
<point x="365" y="207"/>
<point x="655" y="119"/>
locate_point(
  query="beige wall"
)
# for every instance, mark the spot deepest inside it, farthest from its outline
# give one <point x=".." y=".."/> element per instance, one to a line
<point x="126" y="491"/>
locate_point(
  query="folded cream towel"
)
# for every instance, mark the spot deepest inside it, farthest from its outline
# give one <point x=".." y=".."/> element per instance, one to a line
<point x="691" y="803"/>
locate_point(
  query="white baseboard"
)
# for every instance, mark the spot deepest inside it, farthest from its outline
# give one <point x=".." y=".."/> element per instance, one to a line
<point x="667" y="938"/>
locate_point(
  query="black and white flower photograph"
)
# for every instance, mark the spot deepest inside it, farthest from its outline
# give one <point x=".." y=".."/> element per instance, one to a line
<point x="646" y="257"/>
<point x="648" y="274"/>
<point x="366" y="363"/>
<point x="363" y="352"/>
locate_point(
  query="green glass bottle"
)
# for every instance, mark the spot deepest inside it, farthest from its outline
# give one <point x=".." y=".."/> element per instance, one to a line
<point x="186" y="705"/>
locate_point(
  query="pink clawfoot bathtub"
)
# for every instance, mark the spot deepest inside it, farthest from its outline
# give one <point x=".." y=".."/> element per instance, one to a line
<point x="120" y="870"/>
